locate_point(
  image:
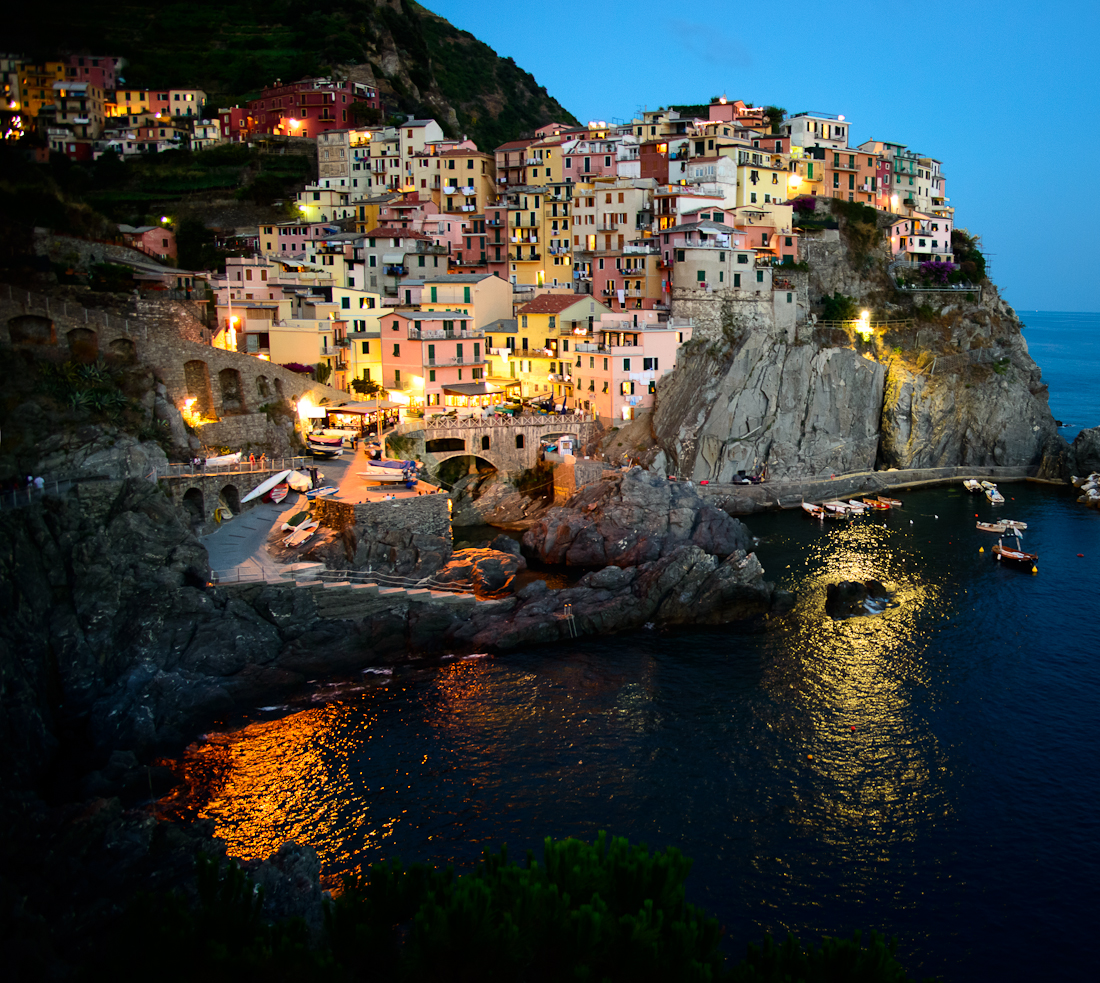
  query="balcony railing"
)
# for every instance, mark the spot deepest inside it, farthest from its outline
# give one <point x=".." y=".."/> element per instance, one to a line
<point x="395" y="270"/>
<point x="607" y="227"/>
<point x="530" y="258"/>
<point x="433" y="334"/>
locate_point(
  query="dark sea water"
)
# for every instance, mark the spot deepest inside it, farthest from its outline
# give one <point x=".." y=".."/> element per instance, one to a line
<point x="932" y="772"/>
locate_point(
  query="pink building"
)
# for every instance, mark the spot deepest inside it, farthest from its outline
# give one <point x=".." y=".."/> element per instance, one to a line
<point x="99" y="70"/>
<point x="437" y="358"/>
<point x="615" y="375"/>
<point x="152" y="240"/>
<point x="922" y="238"/>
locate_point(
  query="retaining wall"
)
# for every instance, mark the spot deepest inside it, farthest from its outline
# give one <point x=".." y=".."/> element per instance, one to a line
<point x="427" y="515"/>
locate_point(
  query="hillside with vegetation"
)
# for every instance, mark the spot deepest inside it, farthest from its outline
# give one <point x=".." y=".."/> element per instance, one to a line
<point x="420" y="62"/>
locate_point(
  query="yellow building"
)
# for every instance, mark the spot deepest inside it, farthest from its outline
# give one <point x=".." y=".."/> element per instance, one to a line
<point x="538" y="354"/>
<point x="36" y="85"/>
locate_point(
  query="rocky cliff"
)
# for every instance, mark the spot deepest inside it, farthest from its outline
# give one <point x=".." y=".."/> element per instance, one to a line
<point x="944" y="379"/>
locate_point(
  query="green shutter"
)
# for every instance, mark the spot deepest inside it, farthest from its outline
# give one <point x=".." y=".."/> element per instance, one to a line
<point x="434" y="298"/>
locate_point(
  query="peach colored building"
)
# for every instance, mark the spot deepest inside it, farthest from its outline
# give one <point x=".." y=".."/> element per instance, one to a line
<point x="615" y="373"/>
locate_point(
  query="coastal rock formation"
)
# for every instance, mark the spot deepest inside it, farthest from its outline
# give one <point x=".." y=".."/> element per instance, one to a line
<point x="114" y="633"/>
<point x="1086" y="451"/>
<point x="485" y="571"/>
<point x="800" y="410"/>
<point x="944" y="380"/>
<point x="632" y="520"/>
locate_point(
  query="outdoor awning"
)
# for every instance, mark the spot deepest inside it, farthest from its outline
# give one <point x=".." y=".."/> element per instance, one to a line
<point x="472" y="389"/>
<point x="393" y="259"/>
<point x="363" y="409"/>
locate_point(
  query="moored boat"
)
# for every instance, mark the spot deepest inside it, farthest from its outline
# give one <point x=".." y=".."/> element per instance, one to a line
<point x="994" y="496"/>
<point x="874" y="503"/>
<point x="838" y="507"/>
<point x="813" y="511"/>
<point x="894" y="503"/>
<point x="1015" y="554"/>
<point x="857" y="506"/>
<point x="986" y="484"/>
<point x="1013" y="524"/>
<point x="997" y="527"/>
<point x="972" y="485"/>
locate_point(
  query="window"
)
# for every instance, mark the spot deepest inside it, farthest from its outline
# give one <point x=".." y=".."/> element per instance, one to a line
<point x="434" y="297"/>
<point x="366" y="347"/>
<point x="553" y="323"/>
<point x="519" y="441"/>
<point x="648" y="364"/>
<point x="737" y="279"/>
<point x="396" y="350"/>
<point x="679" y="255"/>
<point x="524" y="345"/>
<point x="466" y="291"/>
<point x="396" y="378"/>
<point x="626" y="364"/>
<point x="789" y="297"/>
<point x="743" y="258"/>
<point x="605" y="367"/>
<point x="431" y="375"/>
<point x="759" y="276"/>
<point x="345" y="303"/>
<point x="701" y="275"/>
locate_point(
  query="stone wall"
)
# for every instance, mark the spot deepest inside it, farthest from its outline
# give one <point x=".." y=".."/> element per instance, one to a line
<point x="238" y="432"/>
<point x="427" y="515"/>
<point x="571" y="473"/>
<point x="83" y="253"/>
<point x="763" y="310"/>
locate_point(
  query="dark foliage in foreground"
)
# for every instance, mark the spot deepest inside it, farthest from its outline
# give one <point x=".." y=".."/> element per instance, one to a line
<point x="605" y="911"/>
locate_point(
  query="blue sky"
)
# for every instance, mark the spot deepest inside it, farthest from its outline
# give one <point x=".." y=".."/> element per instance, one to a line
<point x="1002" y="93"/>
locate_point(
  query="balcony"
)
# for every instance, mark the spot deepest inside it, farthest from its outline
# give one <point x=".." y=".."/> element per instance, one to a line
<point x="607" y="227"/>
<point x="845" y="167"/>
<point x="395" y="270"/>
<point x="520" y="258"/>
<point x="430" y="248"/>
<point x="529" y="239"/>
<point x="533" y="161"/>
<point x="434" y="334"/>
<point x="495" y="222"/>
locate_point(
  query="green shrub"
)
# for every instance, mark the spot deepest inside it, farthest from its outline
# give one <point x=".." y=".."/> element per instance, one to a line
<point x="839" y="308"/>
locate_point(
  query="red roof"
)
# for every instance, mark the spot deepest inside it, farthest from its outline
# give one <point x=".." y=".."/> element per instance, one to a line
<point x="551" y="303"/>
<point x="517" y="144"/>
<point x="392" y="232"/>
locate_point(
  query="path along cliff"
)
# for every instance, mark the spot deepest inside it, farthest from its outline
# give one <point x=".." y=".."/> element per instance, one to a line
<point x="941" y="378"/>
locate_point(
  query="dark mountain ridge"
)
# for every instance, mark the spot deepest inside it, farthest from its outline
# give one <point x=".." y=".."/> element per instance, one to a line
<point x="420" y="62"/>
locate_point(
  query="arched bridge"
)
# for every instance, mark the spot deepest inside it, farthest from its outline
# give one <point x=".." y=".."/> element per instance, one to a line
<point x="510" y="445"/>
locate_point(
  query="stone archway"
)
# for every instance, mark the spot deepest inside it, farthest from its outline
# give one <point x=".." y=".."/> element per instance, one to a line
<point x="232" y="497"/>
<point x="123" y="350"/>
<point x="197" y="377"/>
<point x="263" y="388"/>
<point x="193" y="503"/>
<point x="279" y="387"/>
<point x="83" y="344"/>
<point x="32" y="329"/>
<point x="232" y="392"/>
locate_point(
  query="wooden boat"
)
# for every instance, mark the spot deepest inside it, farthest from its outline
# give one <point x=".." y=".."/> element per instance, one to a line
<point x="839" y="507"/>
<point x="874" y="503"/>
<point x="301" y="534"/>
<point x="265" y="486"/>
<point x="813" y="511"/>
<point x="972" y="485"/>
<point x="857" y="506"/>
<point x="1015" y="554"/>
<point x="994" y="496"/>
<point x="997" y="527"/>
<point x="278" y="493"/>
<point x="295" y="521"/>
<point x="318" y="492"/>
<point x="987" y="484"/>
<point x="1013" y="524"/>
<point x="894" y="503"/>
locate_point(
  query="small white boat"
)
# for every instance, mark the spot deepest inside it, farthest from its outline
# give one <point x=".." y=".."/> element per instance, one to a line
<point x="265" y="486"/>
<point x="972" y="485"/>
<point x="856" y="506"/>
<point x="386" y="475"/>
<point x="813" y="511"/>
<point x="997" y="527"/>
<point x="839" y="507"/>
<point x="1013" y="524"/>
<point x="318" y="492"/>
<point x="301" y="534"/>
<point x="298" y="481"/>
<point x="224" y="460"/>
<point x="987" y="485"/>
<point x="994" y="496"/>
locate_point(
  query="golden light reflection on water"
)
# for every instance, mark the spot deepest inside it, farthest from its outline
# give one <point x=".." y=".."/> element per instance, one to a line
<point x="870" y="768"/>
